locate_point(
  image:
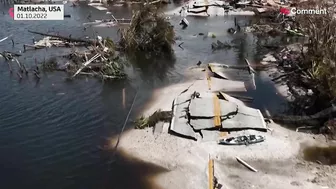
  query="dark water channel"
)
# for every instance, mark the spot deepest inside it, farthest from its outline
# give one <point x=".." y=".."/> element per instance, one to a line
<point x="50" y="130"/>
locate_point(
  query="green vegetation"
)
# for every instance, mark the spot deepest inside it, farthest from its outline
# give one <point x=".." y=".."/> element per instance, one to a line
<point x="321" y="56"/>
<point x="157" y="116"/>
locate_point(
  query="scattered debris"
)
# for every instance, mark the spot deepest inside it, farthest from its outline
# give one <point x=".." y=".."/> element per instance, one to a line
<point x="109" y="22"/>
<point x="206" y="8"/>
<point x="70" y="39"/>
<point x="305" y="128"/>
<point x="220" y="45"/>
<point x="185" y="23"/>
<point x="180" y="45"/>
<point x="232" y="31"/>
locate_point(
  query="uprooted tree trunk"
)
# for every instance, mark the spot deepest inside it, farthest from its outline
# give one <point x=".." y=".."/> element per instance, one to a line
<point x="148" y="32"/>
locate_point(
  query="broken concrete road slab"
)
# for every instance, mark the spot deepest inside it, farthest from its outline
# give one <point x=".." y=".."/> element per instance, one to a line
<point x="233" y="123"/>
<point x="231" y="72"/>
<point x="207" y="108"/>
<point x="234" y="116"/>
<point x="245" y="118"/>
<point x="179" y="122"/>
<point x="234" y="73"/>
<point x="217" y="84"/>
<point x="210" y="136"/>
<point x="197" y="85"/>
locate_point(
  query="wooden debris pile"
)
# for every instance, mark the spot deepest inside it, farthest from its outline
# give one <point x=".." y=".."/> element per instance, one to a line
<point x="275" y="18"/>
<point x="221" y="45"/>
<point x="101" y="60"/>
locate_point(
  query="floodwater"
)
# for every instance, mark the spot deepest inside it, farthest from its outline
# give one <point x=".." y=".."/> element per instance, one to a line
<point x="50" y="130"/>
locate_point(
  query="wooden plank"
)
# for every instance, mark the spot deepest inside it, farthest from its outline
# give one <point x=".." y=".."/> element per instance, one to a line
<point x="250" y="69"/>
<point x="86" y="64"/>
<point x="246" y="165"/>
<point x="211" y="173"/>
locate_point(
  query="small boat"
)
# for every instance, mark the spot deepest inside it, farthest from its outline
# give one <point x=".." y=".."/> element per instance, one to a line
<point x="242" y="140"/>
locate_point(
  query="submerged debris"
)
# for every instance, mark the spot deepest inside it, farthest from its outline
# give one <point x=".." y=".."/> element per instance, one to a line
<point x="50" y="65"/>
<point x="220" y="45"/>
